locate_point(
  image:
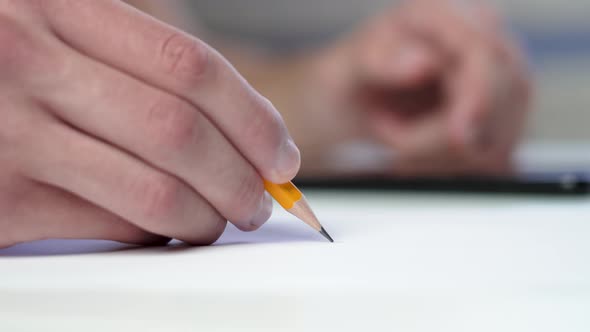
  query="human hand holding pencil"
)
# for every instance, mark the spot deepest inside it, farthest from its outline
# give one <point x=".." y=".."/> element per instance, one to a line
<point x="116" y="126"/>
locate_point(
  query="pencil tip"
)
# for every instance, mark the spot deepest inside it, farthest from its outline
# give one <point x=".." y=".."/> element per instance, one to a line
<point x="326" y="235"/>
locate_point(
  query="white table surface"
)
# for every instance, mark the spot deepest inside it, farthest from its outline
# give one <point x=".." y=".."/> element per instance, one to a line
<point x="402" y="262"/>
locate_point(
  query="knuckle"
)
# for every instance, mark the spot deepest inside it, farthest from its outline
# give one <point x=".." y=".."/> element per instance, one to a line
<point x="159" y="198"/>
<point x="174" y="125"/>
<point x="186" y="59"/>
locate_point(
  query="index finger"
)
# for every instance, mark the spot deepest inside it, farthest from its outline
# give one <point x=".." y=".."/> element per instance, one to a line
<point x="155" y="53"/>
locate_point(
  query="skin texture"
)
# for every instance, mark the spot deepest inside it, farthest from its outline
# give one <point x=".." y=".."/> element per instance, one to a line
<point x="136" y="137"/>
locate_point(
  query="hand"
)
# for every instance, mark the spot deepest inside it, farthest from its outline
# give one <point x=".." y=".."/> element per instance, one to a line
<point x="115" y="126"/>
<point x="439" y="81"/>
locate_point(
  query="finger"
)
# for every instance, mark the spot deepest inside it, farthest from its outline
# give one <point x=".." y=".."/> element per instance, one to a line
<point x="134" y="43"/>
<point x="163" y="130"/>
<point x="61" y="215"/>
<point x="388" y="56"/>
<point x="488" y="105"/>
<point x="481" y="54"/>
<point x="407" y="66"/>
<point x="117" y="182"/>
<point x="457" y="27"/>
<point x="416" y="139"/>
<point x="471" y="102"/>
<point x="415" y="64"/>
<point x="511" y="106"/>
<point x="428" y="146"/>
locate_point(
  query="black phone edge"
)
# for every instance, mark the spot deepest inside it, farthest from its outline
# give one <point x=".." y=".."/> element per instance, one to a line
<point x="572" y="184"/>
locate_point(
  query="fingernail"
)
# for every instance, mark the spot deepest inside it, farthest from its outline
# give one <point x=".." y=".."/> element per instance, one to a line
<point x="288" y="162"/>
<point x="264" y="212"/>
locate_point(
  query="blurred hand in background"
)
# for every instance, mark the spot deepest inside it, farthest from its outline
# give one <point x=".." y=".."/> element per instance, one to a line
<point x="441" y="82"/>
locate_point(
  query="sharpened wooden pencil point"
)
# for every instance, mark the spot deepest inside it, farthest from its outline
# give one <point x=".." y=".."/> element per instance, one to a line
<point x="326" y="235"/>
<point x="292" y="200"/>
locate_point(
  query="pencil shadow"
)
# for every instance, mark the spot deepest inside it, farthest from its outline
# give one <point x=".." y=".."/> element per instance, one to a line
<point x="278" y="231"/>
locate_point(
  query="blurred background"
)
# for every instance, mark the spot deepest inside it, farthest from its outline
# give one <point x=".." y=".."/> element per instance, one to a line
<point x="556" y="35"/>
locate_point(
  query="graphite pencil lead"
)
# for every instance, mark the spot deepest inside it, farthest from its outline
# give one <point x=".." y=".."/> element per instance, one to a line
<point x="326" y="235"/>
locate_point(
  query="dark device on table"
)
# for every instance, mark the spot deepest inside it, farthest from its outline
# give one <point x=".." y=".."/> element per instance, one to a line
<point x="565" y="183"/>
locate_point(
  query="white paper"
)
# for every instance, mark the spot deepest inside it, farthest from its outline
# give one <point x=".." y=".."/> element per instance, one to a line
<point x="407" y="262"/>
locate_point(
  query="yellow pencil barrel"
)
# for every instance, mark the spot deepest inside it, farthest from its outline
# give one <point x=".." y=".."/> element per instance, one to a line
<point x="285" y="194"/>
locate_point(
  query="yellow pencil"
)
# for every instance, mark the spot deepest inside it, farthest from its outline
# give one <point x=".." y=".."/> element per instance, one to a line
<point x="292" y="200"/>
